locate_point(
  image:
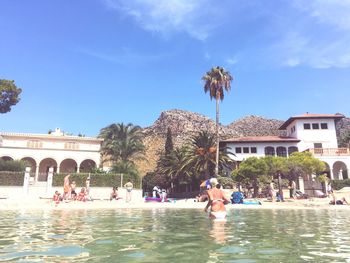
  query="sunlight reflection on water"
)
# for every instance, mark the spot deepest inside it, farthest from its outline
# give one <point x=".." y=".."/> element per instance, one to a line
<point x="185" y="235"/>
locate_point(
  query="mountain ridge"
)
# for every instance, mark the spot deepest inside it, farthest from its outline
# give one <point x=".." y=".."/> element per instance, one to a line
<point x="185" y="124"/>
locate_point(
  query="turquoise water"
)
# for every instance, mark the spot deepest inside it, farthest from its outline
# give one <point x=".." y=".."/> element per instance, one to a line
<point x="175" y="235"/>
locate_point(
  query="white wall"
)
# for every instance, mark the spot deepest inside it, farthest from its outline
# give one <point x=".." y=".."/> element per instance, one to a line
<point x="307" y="138"/>
<point x="260" y="149"/>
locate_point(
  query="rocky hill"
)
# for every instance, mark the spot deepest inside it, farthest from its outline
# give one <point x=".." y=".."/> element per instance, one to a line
<point x="185" y="124"/>
<point x="256" y="126"/>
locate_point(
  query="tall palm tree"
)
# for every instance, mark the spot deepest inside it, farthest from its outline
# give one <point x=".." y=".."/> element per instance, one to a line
<point x="122" y="143"/>
<point x="216" y="81"/>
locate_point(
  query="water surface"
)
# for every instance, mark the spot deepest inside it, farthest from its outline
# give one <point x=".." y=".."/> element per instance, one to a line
<point x="175" y="235"/>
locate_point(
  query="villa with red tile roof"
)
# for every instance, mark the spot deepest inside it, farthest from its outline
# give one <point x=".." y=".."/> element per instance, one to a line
<point x="308" y="132"/>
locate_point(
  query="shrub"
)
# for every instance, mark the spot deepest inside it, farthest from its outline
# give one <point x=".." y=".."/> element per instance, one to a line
<point x="12" y="165"/>
<point x="96" y="179"/>
<point x="339" y="184"/>
<point x="11" y="178"/>
<point x="227" y="182"/>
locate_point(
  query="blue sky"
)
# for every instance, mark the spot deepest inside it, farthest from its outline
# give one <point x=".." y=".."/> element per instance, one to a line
<point x="83" y="65"/>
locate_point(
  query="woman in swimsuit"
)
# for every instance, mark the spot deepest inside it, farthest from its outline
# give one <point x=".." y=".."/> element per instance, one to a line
<point x="217" y="201"/>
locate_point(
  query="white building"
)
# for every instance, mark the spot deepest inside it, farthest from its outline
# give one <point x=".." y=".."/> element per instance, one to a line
<point x="62" y="152"/>
<point x="308" y="132"/>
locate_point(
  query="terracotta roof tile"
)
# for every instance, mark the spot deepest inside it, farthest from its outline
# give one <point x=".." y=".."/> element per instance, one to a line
<point x="262" y="139"/>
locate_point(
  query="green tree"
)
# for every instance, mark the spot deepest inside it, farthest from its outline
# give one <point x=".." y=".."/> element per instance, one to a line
<point x="9" y="95"/>
<point x="303" y="164"/>
<point x="169" y="145"/>
<point x="200" y="156"/>
<point x="250" y="171"/>
<point x="216" y="81"/>
<point x="172" y="167"/>
<point x="122" y="143"/>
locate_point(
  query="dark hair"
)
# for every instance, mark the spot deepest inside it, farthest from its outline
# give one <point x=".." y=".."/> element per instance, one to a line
<point x="218" y="186"/>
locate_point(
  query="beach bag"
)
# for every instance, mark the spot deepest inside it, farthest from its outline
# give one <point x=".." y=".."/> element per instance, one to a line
<point x="237" y="198"/>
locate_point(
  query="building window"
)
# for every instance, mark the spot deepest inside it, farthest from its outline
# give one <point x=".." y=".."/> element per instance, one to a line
<point x="324" y="126"/>
<point x="245" y="149"/>
<point x="269" y="151"/>
<point x="253" y="150"/>
<point x="292" y="130"/>
<point x="315" y="126"/>
<point x="238" y="150"/>
<point x="34" y="144"/>
<point x="307" y="126"/>
<point x="71" y="146"/>
<point x="292" y="149"/>
<point x="281" y="151"/>
<point x="318" y="145"/>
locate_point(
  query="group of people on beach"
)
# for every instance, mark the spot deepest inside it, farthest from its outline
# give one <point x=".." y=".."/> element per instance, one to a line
<point x="158" y="192"/>
<point x="70" y="194"/>
<point x="69" y="191"/>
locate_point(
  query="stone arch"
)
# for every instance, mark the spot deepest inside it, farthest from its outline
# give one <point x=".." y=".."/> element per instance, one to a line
<point x="31" y="163"/>
<point x="7" y="158"/>
<point x="327" y="170"/>
<point x="269" y="151"/>
<point x="292" y="149"/>
<point x="44" y="167"/>
<point x="281" y="151"/>
<point x="340" y="170"/>
<point x="87" y="165"/>
<point x="68" y="166"/>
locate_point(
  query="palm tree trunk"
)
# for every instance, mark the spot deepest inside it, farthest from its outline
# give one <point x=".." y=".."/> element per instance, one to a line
<point x="217" y="134"/>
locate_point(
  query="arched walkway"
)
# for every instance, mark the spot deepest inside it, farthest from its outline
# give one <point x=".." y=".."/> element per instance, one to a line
<point x="292" y="149"/>
<point x="31" y="163"/>
<point x="44" y="167"/>
<point x="87" y="165"/>
<point x="327" y="170"/>
<point x="68" y="166"/>
<point x="281" y="151"/>
<point x="7" y="158"/>
<point x="340" y="171"/>
<point x="269" y="151"/>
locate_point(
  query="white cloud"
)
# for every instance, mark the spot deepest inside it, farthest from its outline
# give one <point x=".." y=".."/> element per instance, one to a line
<point x="232" y="61"/>
<point x="319" y="38"/>
<point x="123" y="57"/>
<point x="195" y="17"/>
<point x="331" y="12"/>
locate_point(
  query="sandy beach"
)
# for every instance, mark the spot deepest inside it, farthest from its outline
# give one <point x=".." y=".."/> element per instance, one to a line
<point x="48" y="204"/>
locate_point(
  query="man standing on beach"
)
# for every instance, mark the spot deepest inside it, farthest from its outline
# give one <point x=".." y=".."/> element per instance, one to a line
<point x="66" y="187"/>
<point x="129" y="186"/>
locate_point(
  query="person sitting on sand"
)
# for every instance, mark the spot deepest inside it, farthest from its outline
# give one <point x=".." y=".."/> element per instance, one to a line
<point x="82" y="195"/>
<point x="339" y="202"/>
<point x="73" y="193"/>
<point x="217" y="201"/>
<point x="114" y="194"/>
<point x="57" y="197"/>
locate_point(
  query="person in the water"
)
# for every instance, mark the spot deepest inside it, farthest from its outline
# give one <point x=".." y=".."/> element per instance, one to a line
<point x="217" y="201"/>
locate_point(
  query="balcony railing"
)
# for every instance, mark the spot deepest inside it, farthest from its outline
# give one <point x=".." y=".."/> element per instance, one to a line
<point x="330" y="151"/>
